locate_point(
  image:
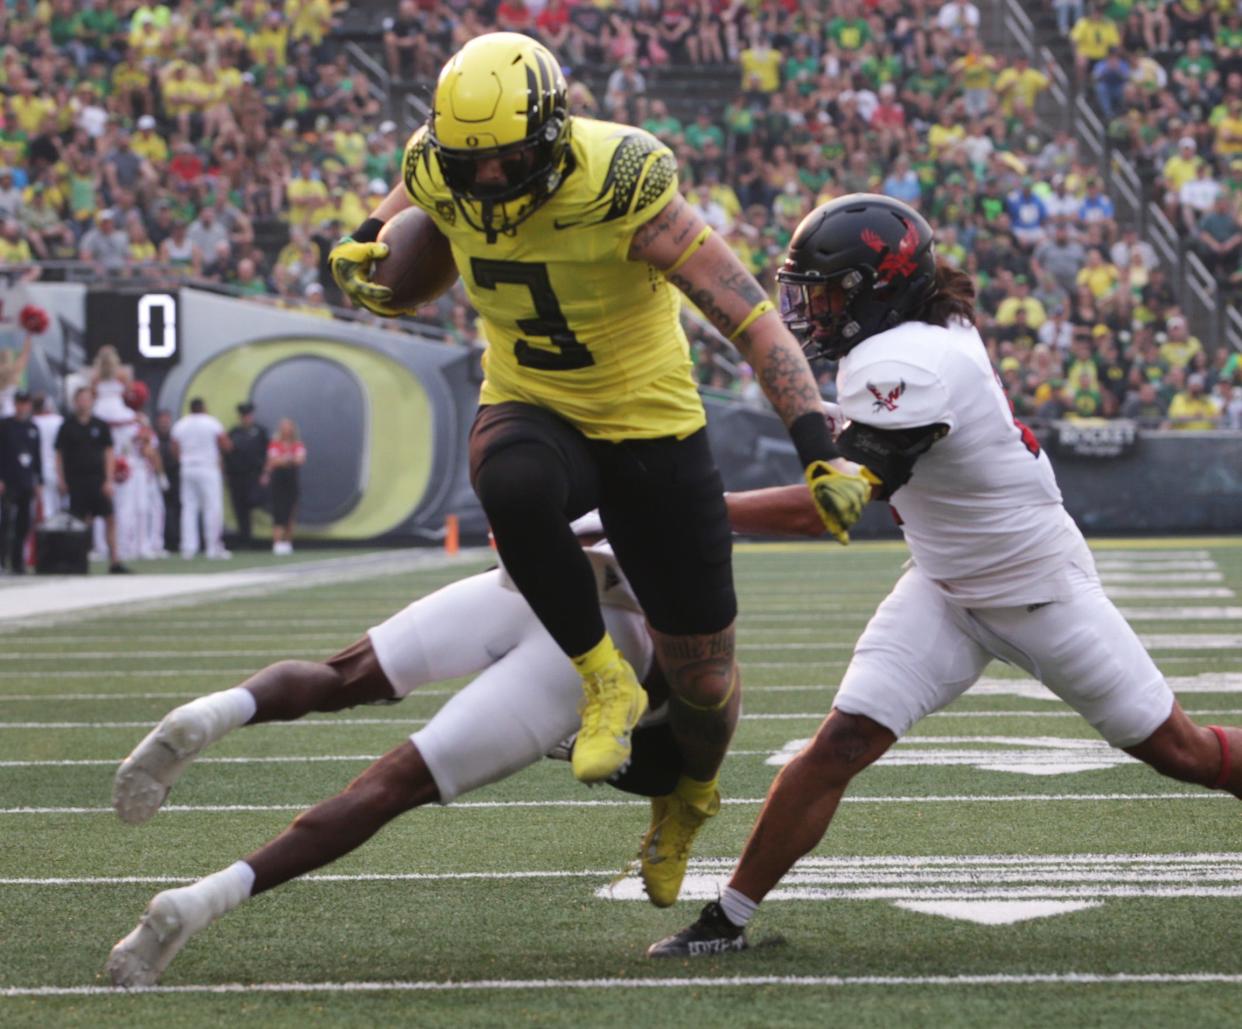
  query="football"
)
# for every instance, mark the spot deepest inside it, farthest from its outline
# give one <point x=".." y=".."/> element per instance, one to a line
<point x="419" y="266"/>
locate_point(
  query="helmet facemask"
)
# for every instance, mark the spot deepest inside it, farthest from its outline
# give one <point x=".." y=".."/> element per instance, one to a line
<point x="818" y="309"/>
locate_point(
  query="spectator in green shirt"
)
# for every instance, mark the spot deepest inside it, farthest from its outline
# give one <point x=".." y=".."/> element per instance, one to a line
<point x="802" y="68"/>
<point x="702" y="131"/>
<point x="849" y="31"/>
<point x="662" y="124"/>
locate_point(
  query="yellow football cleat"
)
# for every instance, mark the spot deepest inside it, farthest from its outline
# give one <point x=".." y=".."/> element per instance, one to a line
<point x="666" y="848"/>
<point x="613" y="705"/>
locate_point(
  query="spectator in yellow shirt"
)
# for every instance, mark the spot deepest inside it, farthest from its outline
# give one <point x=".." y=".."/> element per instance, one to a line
<point x="29" y="109"/>
<point x="1179" y="346"/>
<point x="1183" y="166"/>
<point x="349" y="144"/>
<point x="761" y="68"/>
<point x="305" y="193"/>
<point x="1229" y="129"/>
<point x="13" y="246"/>
<point x="1006" y="312"/>
<point x="270" y="44"/>
<point x="147" y="143"/>
<point x="1093" y="36"/>
<point x="1020" y="85"/>
<point x="308" y="20"/>
<point x="1098" y="275"/>
<point x="1192" y="409"/>
<point x="975" y="71"/>
<point x="314" y="304"/>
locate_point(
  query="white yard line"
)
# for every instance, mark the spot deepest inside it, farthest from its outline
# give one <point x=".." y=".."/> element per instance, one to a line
<point x="966" y="798"/>
<point x="1111" y="564"/>
<point x="1170" y="592"/>
<point x="653" y="982"/>
<point x="1109" y="578"/>
<point x="1181" y="614"/>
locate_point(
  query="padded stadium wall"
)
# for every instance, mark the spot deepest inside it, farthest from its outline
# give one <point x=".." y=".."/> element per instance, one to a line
<point x="385" y="415"/>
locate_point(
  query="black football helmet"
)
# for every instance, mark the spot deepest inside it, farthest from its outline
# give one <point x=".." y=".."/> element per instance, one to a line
<point x="857" y="265"/>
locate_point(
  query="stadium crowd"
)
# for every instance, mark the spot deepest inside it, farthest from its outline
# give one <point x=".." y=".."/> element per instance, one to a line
<point x="155" y="140"/>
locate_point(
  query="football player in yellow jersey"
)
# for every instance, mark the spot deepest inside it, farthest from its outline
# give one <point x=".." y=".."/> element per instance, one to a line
<point x="570" y="235"/>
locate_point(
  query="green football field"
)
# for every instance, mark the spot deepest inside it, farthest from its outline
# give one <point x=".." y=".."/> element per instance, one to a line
<point x="1000" y="867"/>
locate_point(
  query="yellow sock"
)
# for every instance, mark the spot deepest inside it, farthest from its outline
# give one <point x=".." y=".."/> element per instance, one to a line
<point x="695" y="793"/>
<point x="598" y="657"/>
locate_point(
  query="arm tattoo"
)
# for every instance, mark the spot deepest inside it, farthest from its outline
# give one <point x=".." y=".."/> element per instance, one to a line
<point x="673" y="219"/>
<point x="705" y="300"/>
<point x="787" y="381"/>
<point x="731" y="283"/>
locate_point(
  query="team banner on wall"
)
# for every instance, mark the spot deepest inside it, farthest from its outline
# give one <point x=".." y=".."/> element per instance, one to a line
<point x="1094" y="437"/>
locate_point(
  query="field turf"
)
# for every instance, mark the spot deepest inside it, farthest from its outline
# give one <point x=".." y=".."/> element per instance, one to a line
<point x="1002" y="868"/>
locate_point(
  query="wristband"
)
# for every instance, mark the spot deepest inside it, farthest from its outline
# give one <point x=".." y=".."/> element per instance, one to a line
<point x="756" y="312"/>
<point x="691" y="250"/>
<point x="367" y="232"/>
<point x="812" y="439"/>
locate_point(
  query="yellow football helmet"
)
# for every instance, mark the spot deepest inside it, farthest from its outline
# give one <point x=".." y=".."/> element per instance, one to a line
<point x="501" y="96"/>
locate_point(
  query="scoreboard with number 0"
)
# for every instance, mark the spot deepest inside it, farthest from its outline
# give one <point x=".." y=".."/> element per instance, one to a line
<point x="141" y="324"/>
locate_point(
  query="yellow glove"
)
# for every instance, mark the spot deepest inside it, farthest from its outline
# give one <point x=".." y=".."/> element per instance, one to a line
<point x="839" y="497"/>
<point x="351" y="264"/>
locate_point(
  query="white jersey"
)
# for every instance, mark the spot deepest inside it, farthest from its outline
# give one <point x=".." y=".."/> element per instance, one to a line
<point x="197" y="436"/>
<point x="981" y="513"/>
<point x="110" y="403"/>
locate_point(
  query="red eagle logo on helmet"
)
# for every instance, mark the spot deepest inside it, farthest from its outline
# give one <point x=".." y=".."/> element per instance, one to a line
<point x="901" y="262"/>
<point x="886" y="401"/>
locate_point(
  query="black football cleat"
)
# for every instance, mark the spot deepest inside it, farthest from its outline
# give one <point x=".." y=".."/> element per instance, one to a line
<point x="712" y="933"/>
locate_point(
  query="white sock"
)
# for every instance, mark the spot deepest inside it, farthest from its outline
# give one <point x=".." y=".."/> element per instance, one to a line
<point x="201" y="903"/>
<point x="222" y="712"/>
<point x="738" y="907"/>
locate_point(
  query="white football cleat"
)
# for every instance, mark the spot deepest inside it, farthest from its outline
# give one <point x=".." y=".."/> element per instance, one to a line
<point x="145" y="777"/>
<point x="164" y="928"/>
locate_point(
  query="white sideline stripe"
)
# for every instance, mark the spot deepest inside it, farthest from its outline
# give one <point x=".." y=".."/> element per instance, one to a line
<point x="967" y="798"/>
<point x="186" y="694"/>
<point x="1181" y="614"/>
<point x="659" y="982"/>
<point x="127" y="673"/>
<point x="1109" y="564"/>
<point x="1152" y="555"/>
<point x="968" y="868"/>
<point x="1170" y="592"/>
<point x="1113" y="577"/>
<point x="323" y="723"/>
<point x="369" y="877"/>
<point x="68" y="598"/>
<point x="1188" y="641"/>
<point x="762" y="717"/>
<point x="290" y="759"/>
<point x="1159" y="641"/>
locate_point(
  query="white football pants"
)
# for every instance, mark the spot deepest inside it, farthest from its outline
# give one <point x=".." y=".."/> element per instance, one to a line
<point x="524" y="699"/>
<point x="202" y="493"/>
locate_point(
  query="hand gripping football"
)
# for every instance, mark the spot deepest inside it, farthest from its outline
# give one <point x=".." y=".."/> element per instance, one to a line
<point x="419" y="266"/>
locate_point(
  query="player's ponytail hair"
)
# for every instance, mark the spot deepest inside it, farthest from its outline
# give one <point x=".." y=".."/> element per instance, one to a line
<point x="952" y="297"/>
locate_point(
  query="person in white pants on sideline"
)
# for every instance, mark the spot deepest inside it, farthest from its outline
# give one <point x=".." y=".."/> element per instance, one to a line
<point x="199" y="440"/>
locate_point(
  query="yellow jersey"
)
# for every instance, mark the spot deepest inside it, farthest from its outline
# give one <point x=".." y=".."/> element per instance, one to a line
<point x="573" y="325"/>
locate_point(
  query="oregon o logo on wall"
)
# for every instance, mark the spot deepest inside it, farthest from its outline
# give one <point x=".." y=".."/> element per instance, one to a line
<point x="366" y="420"/>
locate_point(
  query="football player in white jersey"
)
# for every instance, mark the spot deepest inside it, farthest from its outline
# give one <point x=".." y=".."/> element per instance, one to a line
<point x="521" y="705"/>
<point x="998" y="569"/>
